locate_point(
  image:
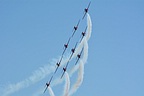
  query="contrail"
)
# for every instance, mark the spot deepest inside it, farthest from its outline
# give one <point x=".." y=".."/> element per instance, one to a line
<point x="79" y="79"/>
<point x="36" y="76"/>
<point x="65" y="59"/>
<point x="84" y="59"/>
<point x="44" y="71"/>
<point x="81" y="70"/>
<point x="84" y="43"/>
<point x="89" y="29"/>
<point x="67" y="85"/>
<point x="51" y="91"/>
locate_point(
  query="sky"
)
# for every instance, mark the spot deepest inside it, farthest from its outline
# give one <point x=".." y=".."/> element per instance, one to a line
<point x="32" y="34"/>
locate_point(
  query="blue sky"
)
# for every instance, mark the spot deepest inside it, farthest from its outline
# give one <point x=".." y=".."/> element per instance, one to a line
<point x="32" y="34"/>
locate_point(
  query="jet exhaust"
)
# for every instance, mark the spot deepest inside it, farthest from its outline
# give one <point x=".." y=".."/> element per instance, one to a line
<point x="44" y="71"/>
<point x="51" y="91"/>
<point x="79" y="79"/>
<point x="67" y="85"/>
<point x="84" y="59"/>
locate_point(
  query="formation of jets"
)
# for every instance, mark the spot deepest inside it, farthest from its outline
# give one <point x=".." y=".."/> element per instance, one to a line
<point x="72" y="50"/>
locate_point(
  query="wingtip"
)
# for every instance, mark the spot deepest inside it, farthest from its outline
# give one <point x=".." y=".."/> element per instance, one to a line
<point x="89" y="3"/>
<point x="82" y="17"/>
<point x="44" y="90"/>
<point x="61" y="77"/>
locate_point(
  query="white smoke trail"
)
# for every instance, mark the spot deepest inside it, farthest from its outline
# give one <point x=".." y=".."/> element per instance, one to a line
<point x="67" y="85"/>
<point x="74" y="69"/>
<point x="89" y="29"/>
<point x="36" y="76"/>
<point x="84" y="43"/>
<point x="65" y="59"/>
<point x="51" y="91"/>
<point x="84" y="59"/>
<point x="42" y="72"/>
<point x="79" y="79"/>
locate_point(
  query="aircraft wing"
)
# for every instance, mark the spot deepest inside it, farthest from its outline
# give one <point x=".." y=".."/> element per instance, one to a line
<point x="50" y="79"/>
<point x="85" y="29"/>
<point x="80" y="55"/>
<point x="81" y="38"/>
<point x="74" y="50"/>
<point x="81" y="50"/>
<point x="89" y="5"/>
<point x="70" y="56"/>
<point x="78" y="23"/>
<point x="69" y="60"/>
<point x="84" y="15"/>
<point x="56" y="69"/>
<point x="77" y="61"/>
<point x="45" y="89"/>
<point x="73" y="32"/>
<point x="69" y="40"/>
<point x="62" y="74"/>
<point x="64" y="51"/>
<point x="65" y="69"/>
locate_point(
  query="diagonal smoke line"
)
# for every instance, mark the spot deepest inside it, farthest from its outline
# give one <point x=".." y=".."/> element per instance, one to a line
<point x="58" y="80"/>
<point x="42" y="72"/>
<point x="79" y="81"/>
<point x="83" y="43"/>
<point x="37" y="75"/>
<point x="82" y="61"/>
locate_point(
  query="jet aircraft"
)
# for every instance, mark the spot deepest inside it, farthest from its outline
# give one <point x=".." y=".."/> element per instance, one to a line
<point x="48" y="84"/>
<point x="83" y="33"/>
<point x="86" y="10"/>
<point x="58" y="64"/>
<point x="75" y="28"/>
<point x="66" y="46"/>
<point x="79" y="56"/>
<point x="73" y="50"/>
<point x="65" y="68"/>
